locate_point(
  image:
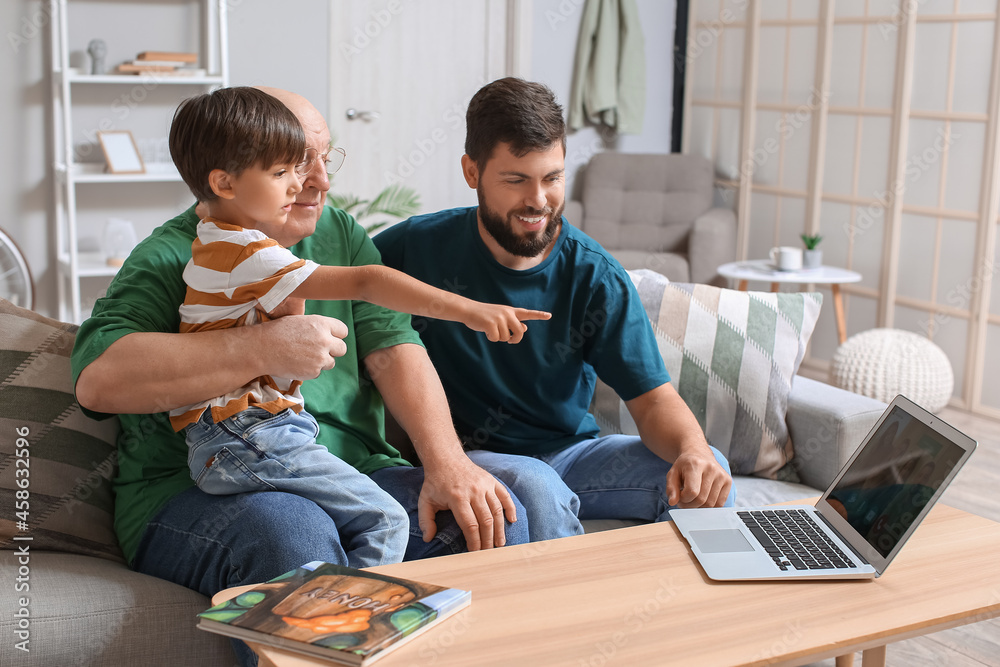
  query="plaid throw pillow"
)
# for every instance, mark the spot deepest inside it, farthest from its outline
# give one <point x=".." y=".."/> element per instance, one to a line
<point x="732" y="357"/>
<point x="64" y="472"/>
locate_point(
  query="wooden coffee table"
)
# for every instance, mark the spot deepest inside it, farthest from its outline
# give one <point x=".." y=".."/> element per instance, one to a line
<point x="636" y="596"/>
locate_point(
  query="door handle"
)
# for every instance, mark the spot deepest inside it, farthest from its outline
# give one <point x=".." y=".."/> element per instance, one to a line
<point x="367" y="116"/>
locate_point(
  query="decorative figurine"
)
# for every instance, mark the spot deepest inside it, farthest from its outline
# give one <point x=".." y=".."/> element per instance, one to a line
<point x="97" y="50"/>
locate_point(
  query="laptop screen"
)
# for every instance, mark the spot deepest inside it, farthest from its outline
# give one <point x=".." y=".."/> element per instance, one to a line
<point x="893" y="478"/>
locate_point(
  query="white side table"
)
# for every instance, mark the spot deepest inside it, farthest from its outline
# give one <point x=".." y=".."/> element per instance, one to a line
<point x="763" y="270"/>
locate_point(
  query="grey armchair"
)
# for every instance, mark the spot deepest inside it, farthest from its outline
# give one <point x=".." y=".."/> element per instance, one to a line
<point x="655" y="212"/>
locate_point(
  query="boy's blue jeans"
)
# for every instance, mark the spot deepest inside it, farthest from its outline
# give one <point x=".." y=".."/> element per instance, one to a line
<point x="255" y="450"/>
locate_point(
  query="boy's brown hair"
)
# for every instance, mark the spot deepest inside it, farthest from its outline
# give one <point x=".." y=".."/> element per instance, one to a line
<point x="522" y="114"/>
<point x="232" y="129"/>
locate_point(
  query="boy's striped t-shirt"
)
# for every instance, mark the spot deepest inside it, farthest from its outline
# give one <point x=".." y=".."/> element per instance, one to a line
<point x="234" y="278"/>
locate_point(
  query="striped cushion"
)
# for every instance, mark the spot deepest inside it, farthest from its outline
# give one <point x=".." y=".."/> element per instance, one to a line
<point x="70" y="459"/>
<point x="732" y="357"/>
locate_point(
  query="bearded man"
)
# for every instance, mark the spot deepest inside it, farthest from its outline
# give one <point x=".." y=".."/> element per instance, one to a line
<point x="514" y="405"/>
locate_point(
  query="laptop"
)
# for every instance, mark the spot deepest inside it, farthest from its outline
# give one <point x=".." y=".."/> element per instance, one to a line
<point x="858" y="525"/>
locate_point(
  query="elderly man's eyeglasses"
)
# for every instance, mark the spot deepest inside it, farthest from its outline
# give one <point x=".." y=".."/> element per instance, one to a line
<point x="332" y="160"/>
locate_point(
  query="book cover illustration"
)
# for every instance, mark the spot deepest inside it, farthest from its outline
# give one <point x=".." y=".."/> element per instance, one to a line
<point x="334" y="609"/>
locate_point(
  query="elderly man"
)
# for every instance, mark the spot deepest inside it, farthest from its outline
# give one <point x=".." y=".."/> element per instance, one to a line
<point x="129" y="361"/>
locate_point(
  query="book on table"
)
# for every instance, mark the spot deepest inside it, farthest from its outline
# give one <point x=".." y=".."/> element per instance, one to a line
<point x="338" y="613"/>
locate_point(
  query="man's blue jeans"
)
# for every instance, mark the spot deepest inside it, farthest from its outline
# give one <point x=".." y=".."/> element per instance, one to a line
<point x="209" y="543"/>
<point x="255" y="450"/>
<point x="613" y="477"/>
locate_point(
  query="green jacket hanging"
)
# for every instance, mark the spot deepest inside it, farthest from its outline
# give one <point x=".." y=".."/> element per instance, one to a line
<point x="609" y="79"/>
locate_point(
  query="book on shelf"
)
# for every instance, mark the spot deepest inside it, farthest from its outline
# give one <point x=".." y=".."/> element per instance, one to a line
<point x="182" y="56"/>
<point x="131" y="68"/>
<point x="159" y="63"/>
<point x="183" y="71"/>
<point x="349" y="616"/>
<point x="159" y="68"/>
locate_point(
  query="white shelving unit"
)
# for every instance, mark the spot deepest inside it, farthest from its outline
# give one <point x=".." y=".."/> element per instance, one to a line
<point x="73" y="265"/>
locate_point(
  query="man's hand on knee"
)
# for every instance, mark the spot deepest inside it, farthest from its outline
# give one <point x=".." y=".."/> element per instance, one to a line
<point x="479" y="502"/>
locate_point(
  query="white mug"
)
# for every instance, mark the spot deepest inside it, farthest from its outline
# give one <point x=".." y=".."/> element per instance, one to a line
<point x="786" y="258"/>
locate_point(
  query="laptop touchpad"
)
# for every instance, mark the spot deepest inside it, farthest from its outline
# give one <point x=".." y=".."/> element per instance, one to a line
<point x="720" y="541"/>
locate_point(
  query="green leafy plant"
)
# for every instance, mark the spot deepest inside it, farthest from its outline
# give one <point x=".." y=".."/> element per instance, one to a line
<point x="394" y="201"/>
<point x="811" y="240"/>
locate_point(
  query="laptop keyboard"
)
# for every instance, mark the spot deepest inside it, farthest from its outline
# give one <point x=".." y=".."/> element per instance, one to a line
<point x="793" y="540"/>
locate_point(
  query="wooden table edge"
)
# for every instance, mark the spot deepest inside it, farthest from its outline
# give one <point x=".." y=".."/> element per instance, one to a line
<point x="872" y="647"/>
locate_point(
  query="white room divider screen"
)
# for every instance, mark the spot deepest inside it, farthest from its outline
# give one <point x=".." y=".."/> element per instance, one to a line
<point x="873" y="123"/>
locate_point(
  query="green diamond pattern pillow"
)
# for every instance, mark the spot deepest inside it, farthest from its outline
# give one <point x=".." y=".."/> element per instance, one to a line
<point x="59" y="484"/>
<point x="732" y="357"/>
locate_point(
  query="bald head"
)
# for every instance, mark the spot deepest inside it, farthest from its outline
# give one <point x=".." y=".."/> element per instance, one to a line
<point x="309" y="203"/>
<point x="300" y="106"/>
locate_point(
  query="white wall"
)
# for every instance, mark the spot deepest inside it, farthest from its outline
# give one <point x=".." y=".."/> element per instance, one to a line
<point x="267" y="47"/>
<point x="297" y="61"/>
<point x="301" y="65"/>
<point x="554" y="38"/>
<point x="24" y="94"/>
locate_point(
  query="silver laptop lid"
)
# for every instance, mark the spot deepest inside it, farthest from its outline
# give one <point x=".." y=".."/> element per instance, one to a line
<point x="893" y="479"/>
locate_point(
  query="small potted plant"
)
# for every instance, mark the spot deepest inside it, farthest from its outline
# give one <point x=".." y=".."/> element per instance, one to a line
<point x="812" y="258"/>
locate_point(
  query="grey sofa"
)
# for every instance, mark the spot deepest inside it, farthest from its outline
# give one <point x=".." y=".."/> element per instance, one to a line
<point x="655" y="212"/>
<point x="85" y="607"/>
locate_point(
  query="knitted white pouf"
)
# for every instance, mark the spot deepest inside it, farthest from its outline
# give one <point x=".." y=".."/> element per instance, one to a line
<point x="881" y="363"/>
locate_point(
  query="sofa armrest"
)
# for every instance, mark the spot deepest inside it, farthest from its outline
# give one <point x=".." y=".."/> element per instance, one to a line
<point x="574" y="213"/>
<point x="826" y="425"/>
<point x="712" y="243"/>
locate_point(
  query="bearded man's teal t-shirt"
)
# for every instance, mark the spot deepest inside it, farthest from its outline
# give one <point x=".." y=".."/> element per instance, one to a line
<point x="532" y="397"/>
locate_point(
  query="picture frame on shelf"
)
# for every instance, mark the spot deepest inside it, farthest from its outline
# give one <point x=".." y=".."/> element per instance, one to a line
<point x="121" y="152"/>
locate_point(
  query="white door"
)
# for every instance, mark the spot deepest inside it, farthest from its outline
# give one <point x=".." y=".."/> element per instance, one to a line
<point x="402" y="75"/>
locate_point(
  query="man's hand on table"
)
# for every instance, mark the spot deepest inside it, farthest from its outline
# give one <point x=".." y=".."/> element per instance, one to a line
<point x="697" y="480"/>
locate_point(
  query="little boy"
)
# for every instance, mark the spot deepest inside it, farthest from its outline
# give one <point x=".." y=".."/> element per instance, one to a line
<point x="238" y="150"/>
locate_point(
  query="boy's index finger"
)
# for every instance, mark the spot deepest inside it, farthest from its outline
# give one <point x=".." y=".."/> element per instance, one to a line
<point x="525" y="314"/>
